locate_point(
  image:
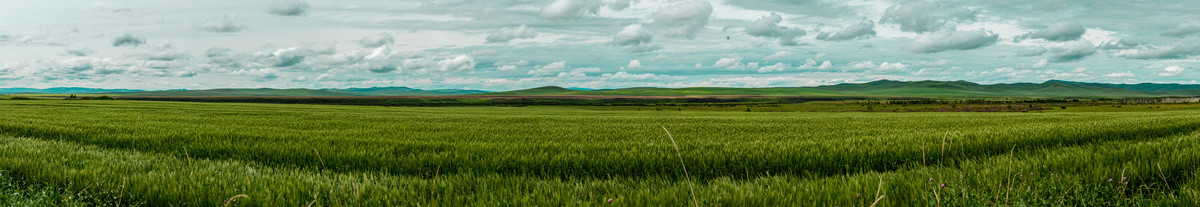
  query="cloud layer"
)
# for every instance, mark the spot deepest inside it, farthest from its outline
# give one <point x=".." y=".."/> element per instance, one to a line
<point x="288" y="7"/>
<point x="513" y="44"/>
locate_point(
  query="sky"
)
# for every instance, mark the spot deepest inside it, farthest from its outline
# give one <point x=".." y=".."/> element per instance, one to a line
<point x="515" y="44"/>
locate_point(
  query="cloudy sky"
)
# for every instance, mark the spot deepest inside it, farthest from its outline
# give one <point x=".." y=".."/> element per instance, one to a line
<point x="515" y="44"/>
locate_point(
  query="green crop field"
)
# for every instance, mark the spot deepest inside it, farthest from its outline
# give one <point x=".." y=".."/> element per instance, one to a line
<point x="118" y="153"/>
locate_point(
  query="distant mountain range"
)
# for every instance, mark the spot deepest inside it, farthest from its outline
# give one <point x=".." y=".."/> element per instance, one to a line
<point x="63" y="90"/>
<point x="377" y="91"/>
<point x="1053" y="88"/>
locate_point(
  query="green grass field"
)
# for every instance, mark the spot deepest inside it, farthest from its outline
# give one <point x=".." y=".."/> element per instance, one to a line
<point x="115" y="153"/>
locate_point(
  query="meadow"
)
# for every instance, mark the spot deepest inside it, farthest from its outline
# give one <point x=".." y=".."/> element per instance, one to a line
<point x="119" y="153"/>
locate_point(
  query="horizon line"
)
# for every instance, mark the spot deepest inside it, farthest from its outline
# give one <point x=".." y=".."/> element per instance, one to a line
<point x="877" y="80"/>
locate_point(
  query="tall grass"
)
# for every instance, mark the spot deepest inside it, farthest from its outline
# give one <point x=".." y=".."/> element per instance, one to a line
<point x="684" y="165"/>
<point x="373" y="156"/>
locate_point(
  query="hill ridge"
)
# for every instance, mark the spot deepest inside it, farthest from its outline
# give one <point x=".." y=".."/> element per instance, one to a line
<point x="882" y="87"/>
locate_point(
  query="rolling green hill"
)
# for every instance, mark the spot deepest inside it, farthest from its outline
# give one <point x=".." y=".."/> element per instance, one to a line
<point x="242" y="92"/>
<point x="378" y="91"/>
<point x="405" y="91"/>
<point x="61" y="90"/>
<point x="1053" y="88"/>
<point x="545" y="90"/>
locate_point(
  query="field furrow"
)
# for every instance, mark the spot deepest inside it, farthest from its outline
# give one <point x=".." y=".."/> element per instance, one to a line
<point x="1151" y="172"/>
<point x="573" y="143"/>
<point x="201" y="154"/>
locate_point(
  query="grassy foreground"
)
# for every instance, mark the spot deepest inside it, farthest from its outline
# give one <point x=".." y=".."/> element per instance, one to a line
<point x="199" y="154"/>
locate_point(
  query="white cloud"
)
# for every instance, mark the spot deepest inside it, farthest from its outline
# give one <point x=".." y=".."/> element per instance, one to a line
<point x="618" y="5"/>
<point x="634" y="34"/>
<point x="729" y="62"/>
<point x="378" y="40"/>
<point x="288" y="7"/>
<point x="1125" y="74"/>
<point x="684" y="19"/>
<point x="768" y="26"/>
<point x="1059" y="32"/>
<point x="1123" y="43"/>
<point x="780" y="55"/>
<point x="572" y="74"/>
<point x="863" y="65"/>
<point x="77" y="68"/>
<point x="511" y="33"/>
<point x="635" y="38"/>
<point x="921" y="17"/>
<point x="587" y="70"/>
<point x="288" y="57"/>
<point x="1037" y="51"/>
<point x="825" y="65"/>
<point x="419" y="63"/>
<point x="861" y="30"/>
<point x="164" y="52"/>
<point x="549" y="68"/>
<point x="932" y="64"/>
<point x="810" y="64"/>
<point x="79" y="51"/>
<point x="643" y="48"/>
<point x="185" y="74"/>
<point x="623" y="76"/>
<point x="1041" y="64"/>
<point x="886" y="67"/>
<point x="128" y="40"/>
<point x="633" y="64"/>
<point x="1172" y="71"/>
<point x="505" y="66"/>
<point x="777" y="67"/>
<point x="1073" y="51"/>
<point x="560" y="65"/>
<point x="381" y="52"/>
<point x="953" y="39"/>
<point x="260" y="74"/>
<point x="568" y="9"/>
<point x="458" y="63"/>
<point x="882" y="68"/>
<point x="1183" y="29"/>
<point x="1015" y="74"/>
<point x="1173" y="52"/>
<point x="226" y="24"/>
<point x="659" y="58"/>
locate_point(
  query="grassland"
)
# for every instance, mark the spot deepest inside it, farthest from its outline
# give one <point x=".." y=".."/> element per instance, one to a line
<point x="1053" y="88"/>
<point x="880" y="88"/>
<point x="202" y="154"/>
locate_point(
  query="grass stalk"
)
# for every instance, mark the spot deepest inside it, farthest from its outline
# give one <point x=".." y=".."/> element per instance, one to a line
<point x="879" y="192"/>
<point x="1163" y="177"/>
<point x="685" y="173"/>
<point x="234" y="199"/>
<point x="320" y="159"/>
